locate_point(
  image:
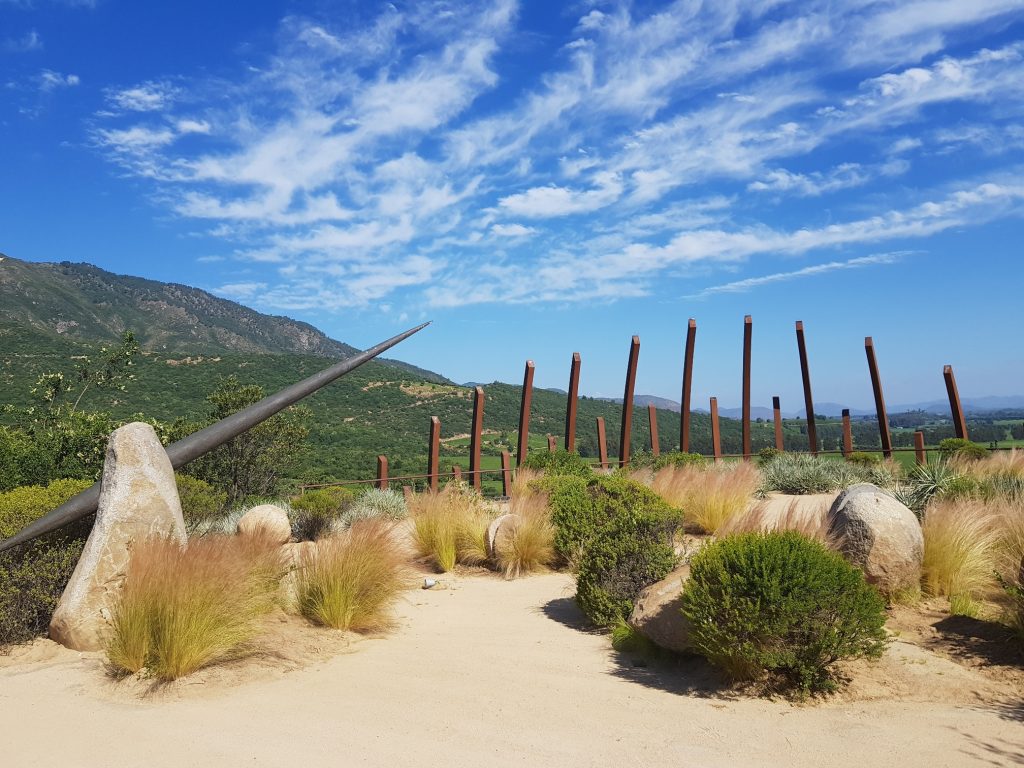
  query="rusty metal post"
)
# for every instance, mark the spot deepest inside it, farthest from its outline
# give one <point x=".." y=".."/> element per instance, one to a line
<point x="475" y="437"/>
<point x="524" y="414"/>
<point x="684" y="416"/>
<point x="716" y="435"/>
<point x="435" y="451"/>
<point x="652" y="417"/>
<point x="627" y="402"/>
<point x="959" y="422"/>
<point x="382" y="472"/>
<point x="602" y="443"/>
<point x="408" y="493"/>
<point x="748" y="328"/>
<point x="919" y="452"/>
<point x="457" y="473"/>
<point x="551" y="444"/>
<point x="506" y="474"/>
<point x="573" y="401"/>
<point x="805" y="373"/>
<point x="780" y="443"/>
<point x="876" y="386"/>
<point x="847" y="433"/>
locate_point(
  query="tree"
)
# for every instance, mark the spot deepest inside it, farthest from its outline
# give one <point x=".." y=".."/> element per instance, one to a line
<point x="254" y="463"/>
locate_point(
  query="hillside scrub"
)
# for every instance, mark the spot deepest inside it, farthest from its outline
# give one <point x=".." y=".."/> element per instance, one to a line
<point x="560" y="462"/>
<point x="781" y="609"/>
<point x="350" y="580"/>
<point x="186" y="607"/>
<point x="708" y="497"/>
<point x="202" y="505"/>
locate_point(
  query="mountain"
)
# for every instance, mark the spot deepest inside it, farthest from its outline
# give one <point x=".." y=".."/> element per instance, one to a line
<point x="65" y="303"/>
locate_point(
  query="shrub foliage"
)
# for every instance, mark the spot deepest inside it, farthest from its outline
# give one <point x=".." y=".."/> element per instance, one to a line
<point x="781" y="606"/>
<point x="559" y="462"/>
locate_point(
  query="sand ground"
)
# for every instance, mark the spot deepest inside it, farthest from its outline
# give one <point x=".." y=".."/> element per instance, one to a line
<point x="492" y="673"/>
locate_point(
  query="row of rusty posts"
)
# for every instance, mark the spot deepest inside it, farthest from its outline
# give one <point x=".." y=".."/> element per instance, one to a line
<point x="475" y="470"/>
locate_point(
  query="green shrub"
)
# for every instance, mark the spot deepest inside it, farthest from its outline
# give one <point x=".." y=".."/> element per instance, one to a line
<point x="863" y="458"/>
<point x="33" y="576"/>
<point x="200" y="501"/>
<point x="627" y="552"/>
<point x="800" y="473"/>
<point x="765" y="455"/>
<point x="679" y="459"/>
<point x="781" y="606"/>
<point x="314" y="512"/>
<point x="559" y="462"/>
<point x="581" y="506"/>
<point x="962" y="449"/>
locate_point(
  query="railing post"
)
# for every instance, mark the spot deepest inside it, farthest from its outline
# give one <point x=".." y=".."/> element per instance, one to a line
<point x="780" y="443"/>
<point x="457" y="473"/>
<point x="602" y="443"/>
<point x="847" y="433"/>
<point x="524" y="414"/>
<point x="716" y="435"/>
<point x="382" y="472"/>
<point x="959" y="422"/>
<point x="684" y="416"/>
<point x="652" y="417"/>
<point x="506" y="474"/>
<point x="407" y="492"/>
<point x="748" y="328"/>
<point x="572" y="403"/>
<point x="627" y="402"/>
<point x="919" y="452"/>
<point x="475" y="437"/>
<point x="435" y="451"/>
<point x="805" y="373"/>
<point x="876" y="386"/>
<point x="551" y="444"/>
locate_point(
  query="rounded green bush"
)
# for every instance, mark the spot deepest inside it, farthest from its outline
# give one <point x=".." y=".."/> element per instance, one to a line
<point x="314" y="512"/>
<point x="781" y="606"/>
<point x="765" y="455"/>
<point x="200" y="501"/>
<point x="559" y="462"/>
<point x="962" y="449"/>
<point x="863" y="458"/>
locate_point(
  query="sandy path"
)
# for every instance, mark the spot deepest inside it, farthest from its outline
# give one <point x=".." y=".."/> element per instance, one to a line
<point x="491" y="673"/>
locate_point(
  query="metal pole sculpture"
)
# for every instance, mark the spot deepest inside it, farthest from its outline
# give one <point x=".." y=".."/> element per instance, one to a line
<point x="205" y="440"/>
<point x="382" y="472"/>
<point x="876" y="386"/>
<point x="716" y="435"/>
<point x="812" y="433"/>
<point x="433" y="457"/>
<point x="602" y="443"/>
<point x="748" y="328"/>
<point x="684" y="417"/>
<point x="475" y="437"/>
<point x="627" y="402"/>
<point x="959" y="423"/>
<point x="552" y="447"/>
<point x="777" y="413"/>
<point x="847" y="433"/>
<point x="652" y="418"/>
<point x="506" y="474"/>
<point x="571" y="405"/>
<point x="524" y="414"/>
<point x="919" y="452"/>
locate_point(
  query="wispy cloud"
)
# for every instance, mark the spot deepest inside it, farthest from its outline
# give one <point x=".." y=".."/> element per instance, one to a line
<point x="750" y="283"/>
<point x="30" y="41"/>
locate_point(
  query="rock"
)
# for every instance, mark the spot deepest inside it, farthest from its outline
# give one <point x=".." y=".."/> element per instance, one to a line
<point x="877" y="533"/>
<point x="266" y="520"/>
<point x="657" y="613"/>
<point x="138" y="500"/>
<point x="494" y="528"/>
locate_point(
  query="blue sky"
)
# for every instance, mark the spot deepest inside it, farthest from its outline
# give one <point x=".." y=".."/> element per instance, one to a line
<point x="541" y="178"/>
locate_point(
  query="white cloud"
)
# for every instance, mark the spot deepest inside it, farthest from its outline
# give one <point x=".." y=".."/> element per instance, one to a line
<point x="512" y="230"/>
<point x="30" y="41"/>
<point x="551" y="201"/>
<point x="814" y="184"/>
<point x="51" y="81"/>
<point x="144" y="97"/>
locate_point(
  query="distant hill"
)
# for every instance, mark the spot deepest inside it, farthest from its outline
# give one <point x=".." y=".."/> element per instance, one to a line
<point x="44" y="304"/>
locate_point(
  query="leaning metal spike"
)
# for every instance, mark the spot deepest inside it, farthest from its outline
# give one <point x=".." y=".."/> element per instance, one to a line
<point x="205" y="440"/>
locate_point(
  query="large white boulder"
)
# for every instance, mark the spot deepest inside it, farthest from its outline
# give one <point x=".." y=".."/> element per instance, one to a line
<point x="266" y="520"/>
<point x="657" y="613"/>
<point x="880" y="535"/>
<point x="138" y="500"/>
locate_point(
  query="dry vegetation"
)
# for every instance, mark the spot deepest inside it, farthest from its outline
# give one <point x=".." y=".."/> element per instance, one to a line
<point x="811" y="523"/>
<point x="708" y="497"/>
<point x="527" y="544"/>
<point x="184" y="607"/>
<point x="449" y="527"/>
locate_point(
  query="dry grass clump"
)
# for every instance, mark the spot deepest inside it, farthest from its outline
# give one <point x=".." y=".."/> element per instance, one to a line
<point x="708" y="497"/>
<point x="186" y="607"/>
<point x="527" y="543"/>
<point x="812" y="524"/>
<point x="450" y="527"/>
<point x="350" y="580"/>
<point x="960" y="546"/>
